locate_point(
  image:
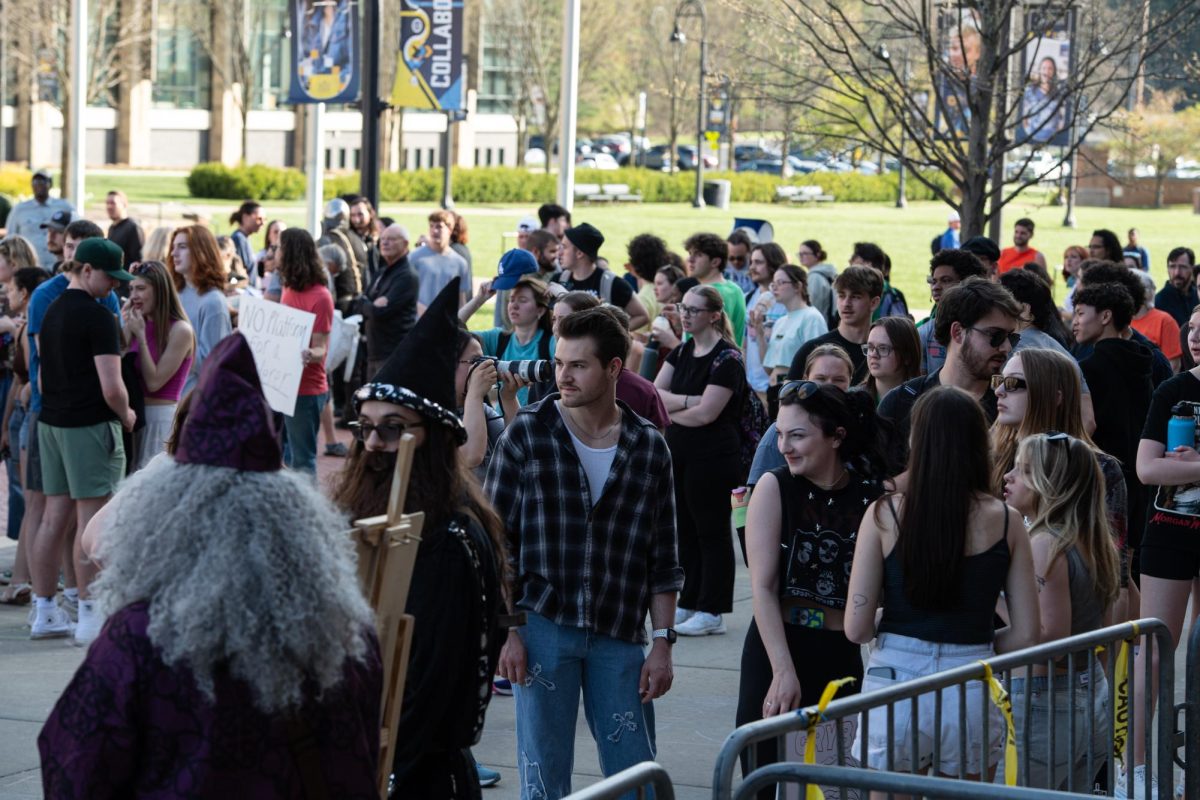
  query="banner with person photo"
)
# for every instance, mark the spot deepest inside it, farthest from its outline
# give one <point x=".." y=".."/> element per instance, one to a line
<point x="429" y="65"/>
<point x="961" y="44"/>
<point x="1045" y="115"/>
<point x="325" y="51"/>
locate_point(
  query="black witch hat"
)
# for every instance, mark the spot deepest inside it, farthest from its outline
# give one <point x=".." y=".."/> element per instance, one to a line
<point x="419" y="374"/>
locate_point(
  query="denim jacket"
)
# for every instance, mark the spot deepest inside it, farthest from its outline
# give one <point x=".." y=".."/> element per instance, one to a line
<point x="580" y="565"/>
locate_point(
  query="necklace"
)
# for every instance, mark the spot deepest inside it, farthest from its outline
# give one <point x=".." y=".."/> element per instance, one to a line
<point x="836" y="481"/>
<point x="593" y="437"/>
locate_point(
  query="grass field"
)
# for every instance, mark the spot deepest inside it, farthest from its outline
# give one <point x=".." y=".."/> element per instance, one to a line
<point x="904" y="234"/>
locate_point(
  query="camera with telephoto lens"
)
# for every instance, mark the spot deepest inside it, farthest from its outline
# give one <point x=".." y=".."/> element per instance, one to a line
<point x="532" y="370"/>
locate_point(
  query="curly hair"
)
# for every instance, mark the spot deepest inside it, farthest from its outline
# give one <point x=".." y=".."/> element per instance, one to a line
<point x="237" y="603"/>
<point x="206" y="270"/>
<point x="647" y="253"/>
<point x="299" y="265"/>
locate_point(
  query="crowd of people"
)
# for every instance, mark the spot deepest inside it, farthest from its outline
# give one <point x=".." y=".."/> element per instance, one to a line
<point x="998" y="474"/>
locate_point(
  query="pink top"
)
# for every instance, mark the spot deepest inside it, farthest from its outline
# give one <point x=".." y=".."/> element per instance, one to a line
<point x="173" y="388"/>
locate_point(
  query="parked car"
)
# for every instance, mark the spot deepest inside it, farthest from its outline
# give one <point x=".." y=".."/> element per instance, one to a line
<point x="596" y="160"/>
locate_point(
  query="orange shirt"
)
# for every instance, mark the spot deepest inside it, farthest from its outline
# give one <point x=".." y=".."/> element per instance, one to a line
<point x="1010" y="258"/>
<point x="1160" y="328"/>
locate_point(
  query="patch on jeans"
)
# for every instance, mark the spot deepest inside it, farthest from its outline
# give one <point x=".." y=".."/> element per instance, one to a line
<point x="534" y="675"/>
<point x="531" y="776"/>
<point x="624" y="723"/>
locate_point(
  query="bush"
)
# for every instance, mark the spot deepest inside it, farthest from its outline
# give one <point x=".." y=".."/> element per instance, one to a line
<point x="14" y="182"/>
<point x="254" y="181"/>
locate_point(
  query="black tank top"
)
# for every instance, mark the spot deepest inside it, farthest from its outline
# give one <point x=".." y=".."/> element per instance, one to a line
<point x="970" y="619"/>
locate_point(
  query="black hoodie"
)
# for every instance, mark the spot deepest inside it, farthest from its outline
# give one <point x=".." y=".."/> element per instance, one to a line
<point x="1118" y="372"/>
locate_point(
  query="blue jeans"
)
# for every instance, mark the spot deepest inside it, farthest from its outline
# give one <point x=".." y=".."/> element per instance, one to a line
<point x="300" y="451"/>
<point x="559" y="662"/>
<point x="16" y="497"/>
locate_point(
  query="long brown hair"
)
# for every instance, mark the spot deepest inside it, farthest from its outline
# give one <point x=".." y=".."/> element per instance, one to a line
<point x="207" y="270"/>
<point x="906" y="344"/>
<point x="541" y="295"/>
<point x="948" y="470"/>
<point x="1053" y="404"/>
<point x="299" y="266"/>
<point x="167" y="308"/>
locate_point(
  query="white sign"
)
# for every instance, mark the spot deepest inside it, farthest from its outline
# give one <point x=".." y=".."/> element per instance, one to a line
<point x="826" y="754"/>
<point x="277" y="334"/>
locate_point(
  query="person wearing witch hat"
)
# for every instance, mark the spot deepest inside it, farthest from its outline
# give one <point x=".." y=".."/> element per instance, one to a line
<point x="457" y="589"/>
<point x="239" y="658"/>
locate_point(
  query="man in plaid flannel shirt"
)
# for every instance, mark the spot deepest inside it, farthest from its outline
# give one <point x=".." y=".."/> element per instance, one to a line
<point x="584" y="487"/>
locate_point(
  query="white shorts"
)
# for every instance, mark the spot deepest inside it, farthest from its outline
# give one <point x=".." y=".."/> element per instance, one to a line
<point x="152" y="439"/>
<point x="896" y="659"/>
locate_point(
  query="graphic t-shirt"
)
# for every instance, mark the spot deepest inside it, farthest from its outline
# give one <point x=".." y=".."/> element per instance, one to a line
<point x="790" y="333"/>
<point x="818" y="532"/>
<point x="1176" y="509"/>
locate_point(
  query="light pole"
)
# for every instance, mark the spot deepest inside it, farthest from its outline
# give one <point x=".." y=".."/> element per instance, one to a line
<point x="695" y="8"/>
<point x="901" y="172"/>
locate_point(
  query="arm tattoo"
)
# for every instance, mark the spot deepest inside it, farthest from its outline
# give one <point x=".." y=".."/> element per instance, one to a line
<point x="860" y="600"/>
<point x="1041" y="582"/>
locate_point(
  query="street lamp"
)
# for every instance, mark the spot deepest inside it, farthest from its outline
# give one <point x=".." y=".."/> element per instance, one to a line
<point x="884" y="55"/>
<point x="695" y="8"/>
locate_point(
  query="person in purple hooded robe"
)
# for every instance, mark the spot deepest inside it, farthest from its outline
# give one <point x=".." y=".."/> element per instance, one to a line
<point x="239" y="658"/>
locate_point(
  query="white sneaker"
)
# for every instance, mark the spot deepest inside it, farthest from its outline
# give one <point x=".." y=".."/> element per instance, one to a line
<point x="682" y="615"/>
<point x="70" y="605"/>
<point x="51" y="624"/>
<point x="702" y="624"/>
<point x="1139" y="785"/>
<point x="89" y="624"/>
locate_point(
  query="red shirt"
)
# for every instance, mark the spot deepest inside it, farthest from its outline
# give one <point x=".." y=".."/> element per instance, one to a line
<point x="1011" y="258"/>
<point x="640" y="395"/>
<point x="316" y="299"/>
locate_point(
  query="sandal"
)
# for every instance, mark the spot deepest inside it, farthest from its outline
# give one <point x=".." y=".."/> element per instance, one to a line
<point x="17" y="594"/>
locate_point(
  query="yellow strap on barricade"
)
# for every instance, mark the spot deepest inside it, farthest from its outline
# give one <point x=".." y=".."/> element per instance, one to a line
<point x="810" y="745"/>
<point x="1000" y="699"/>
<point x="1121" y="712"/>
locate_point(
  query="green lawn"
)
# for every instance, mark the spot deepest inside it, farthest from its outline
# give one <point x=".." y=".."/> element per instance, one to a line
<point x="904" y="234"/>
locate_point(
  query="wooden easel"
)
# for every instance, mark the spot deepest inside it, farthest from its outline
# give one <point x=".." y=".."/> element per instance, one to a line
<point x="387" y="551"/>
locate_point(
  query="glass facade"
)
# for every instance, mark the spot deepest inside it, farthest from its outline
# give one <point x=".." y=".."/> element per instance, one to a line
<point x="270" y="52"/>
<point x="499" y="74"/>
<point x="182" y="72"/>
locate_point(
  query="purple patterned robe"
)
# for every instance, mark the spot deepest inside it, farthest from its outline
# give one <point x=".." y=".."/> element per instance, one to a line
<point x="130" y="726"/>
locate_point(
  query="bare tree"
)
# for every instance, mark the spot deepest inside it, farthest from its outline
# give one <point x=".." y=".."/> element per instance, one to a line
<point x="1158" y="135"/>
<point x="875" y="56"/>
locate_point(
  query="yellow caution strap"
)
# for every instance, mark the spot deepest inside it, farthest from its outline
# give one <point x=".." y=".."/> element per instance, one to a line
<point x="810" y="745"/>
<point x="1121" y="712"/>
<point x="1001" y="701"/>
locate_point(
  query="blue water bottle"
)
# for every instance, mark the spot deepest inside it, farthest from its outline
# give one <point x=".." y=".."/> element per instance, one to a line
<point x="1181" y="429"/>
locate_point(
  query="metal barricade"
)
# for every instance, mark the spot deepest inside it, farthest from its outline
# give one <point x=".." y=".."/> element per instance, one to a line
<point x="1191" y="719"/>
<point x="1154" y="637"/>
<point x="639" y="778"/>
<point x="892" y="783"/>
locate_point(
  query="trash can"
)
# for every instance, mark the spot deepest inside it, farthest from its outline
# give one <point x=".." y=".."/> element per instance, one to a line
<point x="716" y="193"/>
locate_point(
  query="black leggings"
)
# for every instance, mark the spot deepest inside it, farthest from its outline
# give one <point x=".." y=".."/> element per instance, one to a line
<point x="819" y="656"/>
<point x="446" y="775"/>
<point x="703" y="518"/>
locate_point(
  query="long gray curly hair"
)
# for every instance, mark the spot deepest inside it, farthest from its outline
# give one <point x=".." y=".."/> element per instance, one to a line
<point x="248" y="570"/>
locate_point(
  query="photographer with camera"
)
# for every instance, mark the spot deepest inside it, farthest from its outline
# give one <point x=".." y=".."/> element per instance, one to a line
<point x="525" y="355"/>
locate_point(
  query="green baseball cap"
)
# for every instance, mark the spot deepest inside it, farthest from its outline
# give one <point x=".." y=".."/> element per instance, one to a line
<point x="103" y="255"/>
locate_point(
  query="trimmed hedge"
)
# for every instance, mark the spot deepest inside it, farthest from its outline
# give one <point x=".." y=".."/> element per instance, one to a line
<point x="255" y="181"/>
<point x="479" y="185"/>
<point x="15" y="182"/>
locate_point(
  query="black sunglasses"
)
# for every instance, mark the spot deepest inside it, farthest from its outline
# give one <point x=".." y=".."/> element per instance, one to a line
<point x="389" y="431"/>
<point x="996" y="336"/>
<point x="1011" y="384"/>
<point x="801" y="390"/>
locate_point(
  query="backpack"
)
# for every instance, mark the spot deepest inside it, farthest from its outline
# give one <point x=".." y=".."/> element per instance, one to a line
<point x="607" y="279"/>
<point x="752" y="416"/>
<point x="936" y="244"/>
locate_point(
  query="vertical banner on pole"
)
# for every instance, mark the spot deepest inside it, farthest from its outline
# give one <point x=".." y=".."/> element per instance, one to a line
<point x="1047" y="107"/>
<point x="429" y="65"/>
<point x="325" y="54"/>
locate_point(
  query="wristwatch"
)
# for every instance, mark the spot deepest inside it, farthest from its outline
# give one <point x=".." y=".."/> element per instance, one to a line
<point x="665" y="633"/>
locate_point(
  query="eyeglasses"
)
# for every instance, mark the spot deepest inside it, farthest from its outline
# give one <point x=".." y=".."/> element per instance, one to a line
<point x="688" y="311"/>
<point x="801" y="390"/>
<point x="1011" y="384"/>
<point x="881" y="350"/>
<point x="773" y="284"/>
<point x="805" y="254"/>
<point x="996" y="336"/>
<point x="389" y="431"/>
<point x="737" y="259"/>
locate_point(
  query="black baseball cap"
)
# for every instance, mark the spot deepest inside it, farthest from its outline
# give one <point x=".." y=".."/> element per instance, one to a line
<point x="58" y="221"/>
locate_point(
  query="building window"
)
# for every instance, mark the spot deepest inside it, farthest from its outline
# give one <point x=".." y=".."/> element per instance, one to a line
<point x="182" y="72"/>
<point x="270" y="52"/>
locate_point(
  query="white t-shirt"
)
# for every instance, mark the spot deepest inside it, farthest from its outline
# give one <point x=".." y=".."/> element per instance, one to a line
<point x="756" y="376"/>
<point x="790" y="333"/>
<point x="596" y="463"/>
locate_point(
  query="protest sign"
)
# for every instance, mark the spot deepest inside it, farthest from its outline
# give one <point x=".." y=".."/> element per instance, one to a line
<point x="826" y="754"/>
<point x="277" y="334"/>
